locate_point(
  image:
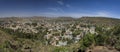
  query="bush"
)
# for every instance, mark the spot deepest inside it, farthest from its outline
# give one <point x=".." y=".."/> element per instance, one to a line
<point x="60" y="49"/>
<point x="117" y="46"/>
<point x="87" y="41"/>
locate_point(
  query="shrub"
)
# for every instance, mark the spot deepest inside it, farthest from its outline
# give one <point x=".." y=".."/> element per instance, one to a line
<point x="60" y="49"/>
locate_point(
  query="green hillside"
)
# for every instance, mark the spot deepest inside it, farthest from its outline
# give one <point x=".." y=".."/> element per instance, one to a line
<point x="83" y="34"/>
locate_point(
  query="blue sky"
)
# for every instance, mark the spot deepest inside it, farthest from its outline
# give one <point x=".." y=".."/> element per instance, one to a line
<point x="74" y="8"/>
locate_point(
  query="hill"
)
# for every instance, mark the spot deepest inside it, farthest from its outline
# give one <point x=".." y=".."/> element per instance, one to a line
<point x="60" y="34"/>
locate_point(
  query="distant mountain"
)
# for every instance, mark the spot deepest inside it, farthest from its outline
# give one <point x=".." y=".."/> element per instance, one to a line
<point x="91" y="20"/>
<point x="100" y="20"/>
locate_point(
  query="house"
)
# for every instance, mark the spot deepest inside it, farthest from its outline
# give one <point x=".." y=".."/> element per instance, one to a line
<point x="62" y="43"/>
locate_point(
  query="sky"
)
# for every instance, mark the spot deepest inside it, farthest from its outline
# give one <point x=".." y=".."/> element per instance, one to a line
<point x="53" y="8"/>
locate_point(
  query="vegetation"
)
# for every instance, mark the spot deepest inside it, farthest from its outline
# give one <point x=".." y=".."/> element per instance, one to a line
<point x="107" y="35"/>
<point x="104" y="38"/>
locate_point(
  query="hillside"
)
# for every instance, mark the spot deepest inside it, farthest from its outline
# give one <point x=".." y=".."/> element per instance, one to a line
<point x="60" y="34"/>
<point x="100" y="20"/>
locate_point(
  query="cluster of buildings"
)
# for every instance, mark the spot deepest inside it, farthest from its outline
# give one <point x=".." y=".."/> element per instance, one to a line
<point x="57" y="34"/>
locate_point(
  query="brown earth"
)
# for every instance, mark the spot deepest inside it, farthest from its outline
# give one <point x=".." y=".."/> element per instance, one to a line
<point x="101" y="49"/>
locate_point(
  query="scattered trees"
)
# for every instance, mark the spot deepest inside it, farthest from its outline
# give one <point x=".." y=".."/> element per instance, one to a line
<point x="104" y="37"/>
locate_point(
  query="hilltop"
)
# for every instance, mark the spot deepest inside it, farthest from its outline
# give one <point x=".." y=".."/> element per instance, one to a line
<point x="100" y="20"/>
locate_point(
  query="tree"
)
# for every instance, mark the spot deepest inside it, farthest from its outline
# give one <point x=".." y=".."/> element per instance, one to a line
<point x="87" y="41"/>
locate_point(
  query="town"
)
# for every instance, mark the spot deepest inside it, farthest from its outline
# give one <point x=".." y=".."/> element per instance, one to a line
<point x="65" y="34"/>
<point x="56" y="33"/>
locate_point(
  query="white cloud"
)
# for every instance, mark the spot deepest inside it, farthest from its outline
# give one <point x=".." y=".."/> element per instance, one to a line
<point x="103" y="13"/>
<point x="61" y="10"/>
<point x="56" y="9"/>
<point x="53" y="9"/>
<point x="60" y="2"/>
<point x="99" y="14"/>
<point x="67" y="5"/>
